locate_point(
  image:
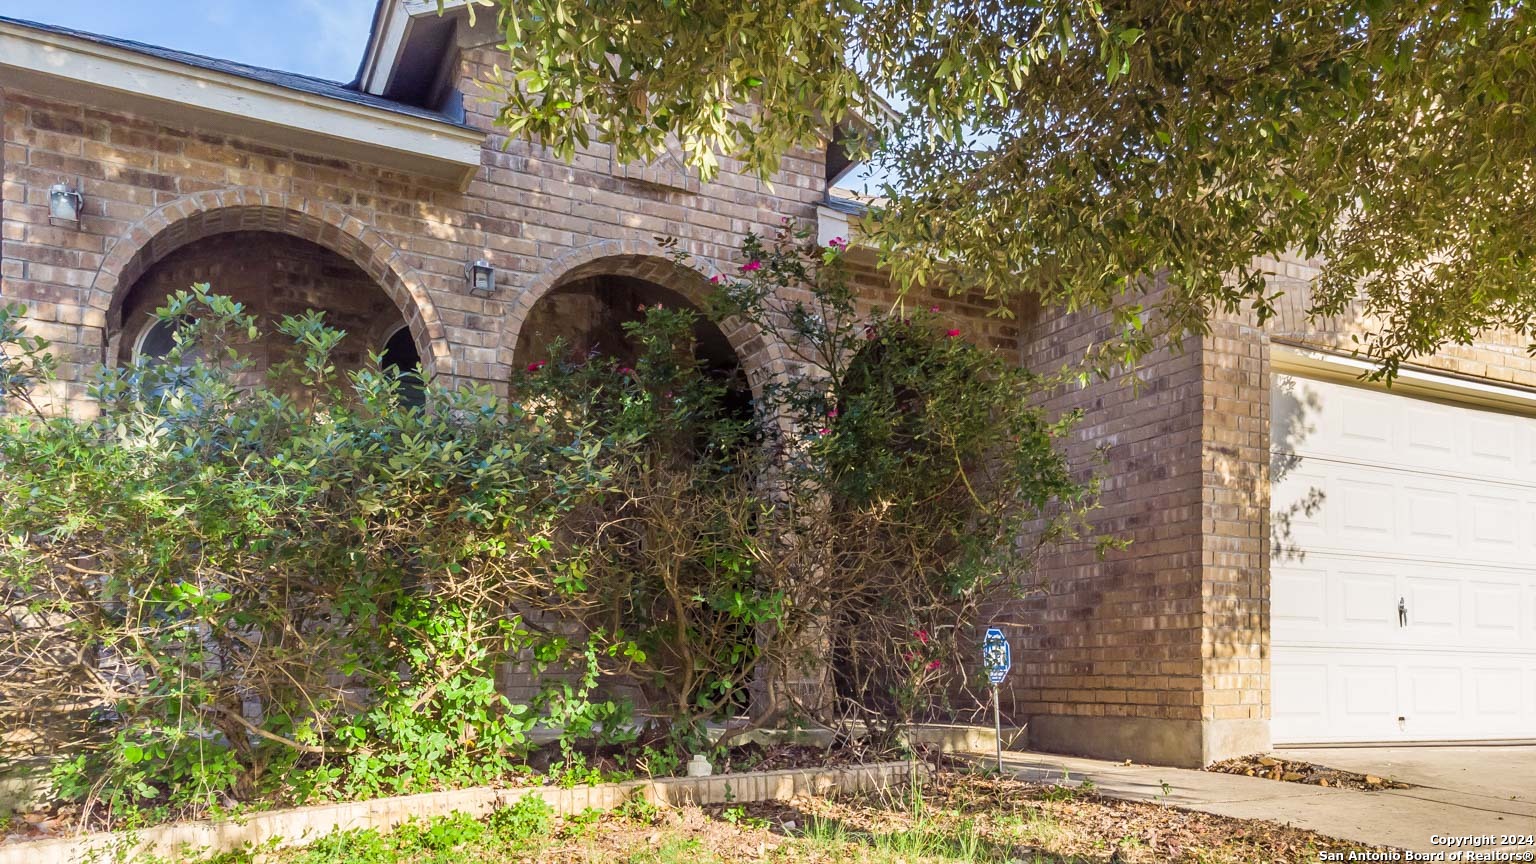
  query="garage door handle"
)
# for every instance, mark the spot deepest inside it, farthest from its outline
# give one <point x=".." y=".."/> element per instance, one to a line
<point x="1402" y="613"/>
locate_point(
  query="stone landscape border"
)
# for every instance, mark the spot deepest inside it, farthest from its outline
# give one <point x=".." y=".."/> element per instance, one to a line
<point x="302" y="825"/>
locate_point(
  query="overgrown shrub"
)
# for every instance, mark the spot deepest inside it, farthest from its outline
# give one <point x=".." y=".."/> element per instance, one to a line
<point x="917" y="478"/>
<point x="231" y="586"/>
<point x="224" y="587"/>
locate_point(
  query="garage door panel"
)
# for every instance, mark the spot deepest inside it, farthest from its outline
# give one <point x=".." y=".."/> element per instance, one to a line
<point x="1528" y="612"/>
<point x="1426" y="503"/>
<point x="1438" y="437"/>
<point x="1431" y="436"/>
<point x="1494" y="519"/>
<point x="1302" y="611"/>
<point x="1376" y="512"/>
<point x="1362" y="423"/>
<point x="1295" y="500"/>
<point x="1492" y="442"/>
<point x="1494" y="612"/>
<point x="1366" y="511"/>
<point x="1367" y="605"/>
<point x="1369" y="694"/>
<point x="1530" y="691"/>
<point x="1434" y="713"/>
<point x="1496" y="697"/>
<point x="1431" y="523"/>
<point x="1433" y="604"/>
<point x="1301" y="683"/>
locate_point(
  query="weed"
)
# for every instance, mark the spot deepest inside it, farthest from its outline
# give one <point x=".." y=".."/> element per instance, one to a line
<point x="1059" y="793"/>
<point x="639" y="809"/>
<point x="358" y="846"/>
<point x="653" y="762"/>
<point x="441" y="834"/>
<point x="573" y="771"/>
<point x="738" y="816"/>
<point x="525" y="820"/>
<point x="676" y="850"/>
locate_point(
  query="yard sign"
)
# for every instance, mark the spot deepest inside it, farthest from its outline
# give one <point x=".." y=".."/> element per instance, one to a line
<point x="996" y="656"/>
<point x="997" y="659"/>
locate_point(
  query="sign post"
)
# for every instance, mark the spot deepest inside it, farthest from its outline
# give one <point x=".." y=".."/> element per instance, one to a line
<point x="997" y="659"/>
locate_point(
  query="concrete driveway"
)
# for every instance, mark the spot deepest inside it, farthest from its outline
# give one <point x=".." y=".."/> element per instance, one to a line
<point x="1481" y="789"/>
<point x="1458" y="792"/>
<point x="1495" y="773"/>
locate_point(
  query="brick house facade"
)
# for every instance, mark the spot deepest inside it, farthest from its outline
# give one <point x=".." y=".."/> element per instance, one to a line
<point x="369" y="199"/>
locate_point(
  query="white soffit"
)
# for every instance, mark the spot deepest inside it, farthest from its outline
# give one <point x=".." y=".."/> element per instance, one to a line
<point x="1409" y="381"/>
<point x="834" y="224"/>
<point x="388" y="36"/>
<point x="80" y="70"/>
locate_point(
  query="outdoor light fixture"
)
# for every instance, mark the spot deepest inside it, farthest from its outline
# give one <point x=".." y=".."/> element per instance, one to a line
<point x="481" y="277"/>
<point x="64" y="204"/>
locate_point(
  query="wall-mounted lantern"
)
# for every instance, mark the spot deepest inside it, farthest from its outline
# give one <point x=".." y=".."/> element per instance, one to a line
<point x="64" y="204"/>
<point x="481" y="277"/>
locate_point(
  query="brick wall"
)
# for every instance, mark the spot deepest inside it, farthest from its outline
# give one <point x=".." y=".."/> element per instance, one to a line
<point x="1160" y="652"/>
<point x="151" y="189"/>
<point x="1234" y="528"/>
<point x="1501" y="356"/>
<point x="1108" y="653"/>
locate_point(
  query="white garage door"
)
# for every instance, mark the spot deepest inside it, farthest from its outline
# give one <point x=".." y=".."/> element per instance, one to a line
<point x="1403" y="606"/>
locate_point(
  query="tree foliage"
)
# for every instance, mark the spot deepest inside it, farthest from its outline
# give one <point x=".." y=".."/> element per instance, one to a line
<point x="1105" y="155"/>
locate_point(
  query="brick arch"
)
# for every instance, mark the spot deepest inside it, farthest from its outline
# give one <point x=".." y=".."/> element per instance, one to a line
<point x="187" y="220"/>
<point x="761" y="356"/>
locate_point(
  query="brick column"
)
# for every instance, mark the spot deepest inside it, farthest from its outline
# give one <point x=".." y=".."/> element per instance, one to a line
<point x="1158" y="652"/>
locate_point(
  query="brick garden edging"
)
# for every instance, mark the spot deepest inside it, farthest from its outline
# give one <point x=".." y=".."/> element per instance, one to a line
<point x="302" y="825"/>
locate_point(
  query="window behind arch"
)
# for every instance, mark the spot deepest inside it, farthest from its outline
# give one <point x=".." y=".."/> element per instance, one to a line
<point x="159" y="338"/>
<point x="399" y="355"/>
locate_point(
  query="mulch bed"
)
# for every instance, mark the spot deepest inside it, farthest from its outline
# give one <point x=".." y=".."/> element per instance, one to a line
<point x="1295" y="771"/>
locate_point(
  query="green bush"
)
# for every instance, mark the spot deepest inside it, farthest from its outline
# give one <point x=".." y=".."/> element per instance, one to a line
<point x="225" y="587"/>
<point x="916" y="478"/>
<point x="236" y="584"/>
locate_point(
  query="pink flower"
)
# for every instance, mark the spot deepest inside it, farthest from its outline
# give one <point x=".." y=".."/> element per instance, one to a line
<point x="922" y="636"/>
<point x="909" y="656"/>
<point x="831" y="412"/>
<point x="952" y="333"/>
<point x="754" y="264"/>
<point x="715" y="279"/>
<point x="934" y="664"/>
<point x="823" y="431"/>
<point x="933" y="308"/>
<point x="838" y="243"/>
<point x="536" y="365"/>
<point x="624" y="370"/>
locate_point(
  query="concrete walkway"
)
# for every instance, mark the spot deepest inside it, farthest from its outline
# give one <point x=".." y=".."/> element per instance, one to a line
<point x="1404" y="818"/>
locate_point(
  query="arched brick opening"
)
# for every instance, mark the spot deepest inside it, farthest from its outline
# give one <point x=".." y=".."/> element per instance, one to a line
<point x="188" y="220"/>
<point x="761" y="358"/>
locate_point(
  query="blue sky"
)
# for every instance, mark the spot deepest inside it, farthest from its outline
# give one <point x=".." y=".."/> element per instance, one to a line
<point x="323" y="38"/>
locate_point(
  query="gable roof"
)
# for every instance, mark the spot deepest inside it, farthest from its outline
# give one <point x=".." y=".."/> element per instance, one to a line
<point x="192" y="91"/>
<point x="288" y="80"/>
